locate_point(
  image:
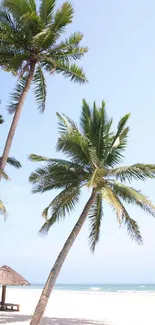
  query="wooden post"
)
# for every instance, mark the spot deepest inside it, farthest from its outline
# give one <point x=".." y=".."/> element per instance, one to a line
<point x="3" y="294"/>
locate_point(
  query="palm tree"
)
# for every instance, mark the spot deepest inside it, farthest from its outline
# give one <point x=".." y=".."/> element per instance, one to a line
<point x="30" y="43"/>
<point x="13" y="162"/>
<point x="95" y="154"/>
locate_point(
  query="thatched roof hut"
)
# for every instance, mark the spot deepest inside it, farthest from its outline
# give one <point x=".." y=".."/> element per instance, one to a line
<point x="9" y="277"/>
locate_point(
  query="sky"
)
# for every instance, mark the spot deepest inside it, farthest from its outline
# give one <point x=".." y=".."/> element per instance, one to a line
<point x="120" y="67"/>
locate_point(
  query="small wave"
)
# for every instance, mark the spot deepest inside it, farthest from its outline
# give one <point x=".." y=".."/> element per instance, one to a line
<point x="126" y="291"/>
<point x="141" y="286"/>
<point x="95" y="288"/>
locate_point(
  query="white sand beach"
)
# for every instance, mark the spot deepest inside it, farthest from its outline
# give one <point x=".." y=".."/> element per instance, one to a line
<point x="72" y="308"/>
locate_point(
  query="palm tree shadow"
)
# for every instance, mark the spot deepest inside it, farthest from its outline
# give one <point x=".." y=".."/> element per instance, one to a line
<point x="10" y="318"/>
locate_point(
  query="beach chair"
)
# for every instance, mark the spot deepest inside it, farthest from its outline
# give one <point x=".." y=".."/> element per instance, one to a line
<point x="9" y="307"/>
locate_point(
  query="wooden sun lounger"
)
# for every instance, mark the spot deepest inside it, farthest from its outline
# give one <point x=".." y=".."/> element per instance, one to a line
<point x="9" y="307"/>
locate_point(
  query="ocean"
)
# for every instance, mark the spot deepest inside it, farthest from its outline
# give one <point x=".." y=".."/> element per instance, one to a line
<point x="99" y="287"/>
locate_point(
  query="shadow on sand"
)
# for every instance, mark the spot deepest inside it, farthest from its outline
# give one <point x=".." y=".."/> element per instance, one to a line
<point x="14" y="318"/>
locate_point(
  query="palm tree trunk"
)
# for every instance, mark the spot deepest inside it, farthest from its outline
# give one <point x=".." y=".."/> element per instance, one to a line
<point x="16" y="118"/>
<point x="41" y="306"/>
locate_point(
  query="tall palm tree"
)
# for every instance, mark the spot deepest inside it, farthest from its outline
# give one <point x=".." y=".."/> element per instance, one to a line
<point x="13" y="162"/>
<point x="30" y="43"/>
<point x="95" y="153"/>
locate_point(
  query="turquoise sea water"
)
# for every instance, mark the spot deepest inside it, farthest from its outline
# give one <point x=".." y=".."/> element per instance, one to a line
<point x="99" y="287"/>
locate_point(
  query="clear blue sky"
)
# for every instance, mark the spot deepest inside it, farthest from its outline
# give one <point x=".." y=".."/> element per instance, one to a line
<point x="120" y="67"/>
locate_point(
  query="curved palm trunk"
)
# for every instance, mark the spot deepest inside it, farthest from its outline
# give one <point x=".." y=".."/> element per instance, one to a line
<point x="40" y="308"/>
<point x="16" y="118"/>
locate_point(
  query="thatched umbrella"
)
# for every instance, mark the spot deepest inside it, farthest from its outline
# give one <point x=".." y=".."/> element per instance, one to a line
<point x="9" y="277"/>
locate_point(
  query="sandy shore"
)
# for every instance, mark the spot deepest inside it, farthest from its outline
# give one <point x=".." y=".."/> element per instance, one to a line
<point x="73" y="308"/>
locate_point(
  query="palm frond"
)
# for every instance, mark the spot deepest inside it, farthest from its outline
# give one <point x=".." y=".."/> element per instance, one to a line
<point x="3" y="211"/>
<point x="68" y="49"/>
<point x="137" y="172"/>
<point x="122" y="215"/>
<point x="4" y="175"/>
<point x="85" y="119"/>
<point x="132" y="196"/>
<point x="132" y="229"/>
<point x="32" y="23"/>
<point x="131" y="224"/>
<point x="40" y="88"/>
<point x="61" y="163"/>
<point x="72" y="54"/>
<point x="76" y="146"/>
<point x="46" y="11"/>
<point x="95" y="218"/>
<point x="71" y="71"/>
<point x="118" y="143"/>
<point x="113" y="157"/>
<point x="17" y="8"/>
<point x="63" y="17"/>
<point x="44" y="39"/>
<point x="110" y="197"/>
<point x="1" y="119"/>
<point x="6" y="19"/>
<point x="101" y="133"/>
<point x="62" y="204"/>
<point x="15" y="63"/>
<point x="57" y="174"/>
<point x="16" y="94"/>
<point x="96" y="178"/>
<point x="120" y="127"/>
<point x="32" y="4"/>
<point x="65" y="124"/>
<point x="38" y="158"/>
<point x="13" y="162"/>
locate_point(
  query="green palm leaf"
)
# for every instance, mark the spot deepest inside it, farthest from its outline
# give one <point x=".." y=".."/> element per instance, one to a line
<point x="118" y="143"/>
<point x="85" y="120"/>
<point x="132" y="196"/>
<point x="13" y="162"/>
<point x="131" y="224"/>
<point x="121" y="127"/>
<point x="71" y="71"/>
<point x="65" y="124"/>
<point x="62" y="204"/>
<point x="3" y="211"/>
<point x="44" y="39"/>
<point x="18" y="8"/>
<point x="1" y="119"/>
<point x="57" y="174"/>
<point x="110" y="197"/>
<point x="95" y="218"/>
<point x="46" y="11"/>
<point x="4" y="175"/>
<point x="40" y="89"/>
<point x="31" y="21"/>
<point x="71" y="42"/>
<point x="63" y="17"/>
<point x="69" y="49"/>
<point x="74" y="144"/>
<point x="68" y="70"/>
<point x="37" y="158"/>
<point x="122" y="214"/>
<point x="137" y="172"/>
<point x="16" y="94"/>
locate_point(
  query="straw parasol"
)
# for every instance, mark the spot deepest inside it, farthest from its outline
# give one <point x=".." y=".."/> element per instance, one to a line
<point x="9" y="277"/>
